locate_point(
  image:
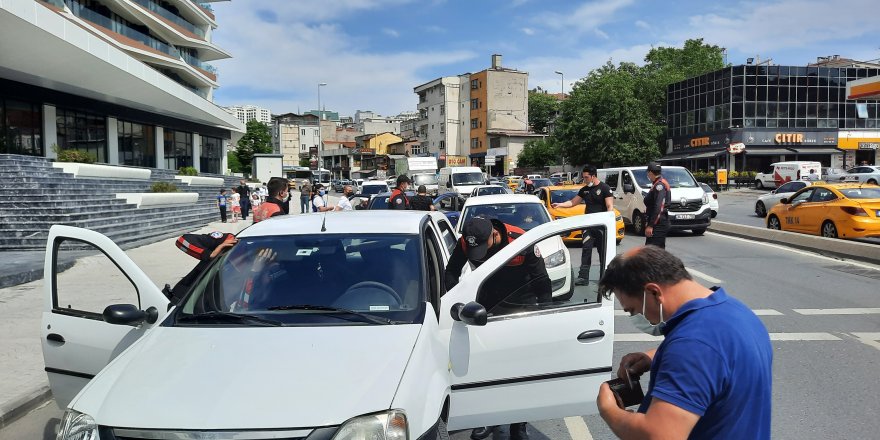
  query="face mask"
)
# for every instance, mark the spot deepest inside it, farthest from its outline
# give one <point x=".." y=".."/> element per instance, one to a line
<point x="642" y="323"/>
<point x="321" y="192"/>
<point x="590" y="183"/>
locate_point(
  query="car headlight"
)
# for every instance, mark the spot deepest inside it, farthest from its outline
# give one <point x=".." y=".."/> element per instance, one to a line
<point x="555" y="259"/>
<point x="390" y="425"/>
<point x="77" y="426"/>
<point x="705" y="199"/>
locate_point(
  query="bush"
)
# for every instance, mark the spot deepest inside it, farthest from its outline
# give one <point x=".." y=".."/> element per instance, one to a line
<point x="72" y="155"/>
<point x="699" y="174"/>
<point x="733" y="174"/>
<point x="163" y="187"/>
<point x="187" y="171"/>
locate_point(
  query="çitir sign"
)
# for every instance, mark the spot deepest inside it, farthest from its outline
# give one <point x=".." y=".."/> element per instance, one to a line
<point x="789" y="138"/>
<point x="700" y="142"/>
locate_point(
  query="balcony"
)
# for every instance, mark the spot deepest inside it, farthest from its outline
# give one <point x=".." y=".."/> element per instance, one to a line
<point x="199" y="64"/>
<point x="172" y="17"/>
<point x="122" y="29"/>
<point x="206" y="8"/>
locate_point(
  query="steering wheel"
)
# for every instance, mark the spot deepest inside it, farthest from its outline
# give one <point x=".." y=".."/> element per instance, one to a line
<point x="371" y="286"/>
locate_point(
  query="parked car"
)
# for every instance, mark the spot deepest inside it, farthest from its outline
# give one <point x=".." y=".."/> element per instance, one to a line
<point x="380" y="201"/>
<point x="450" y="204"/>
<point x="344" y="333"/>
<point x="512" y="181"/>
<point x="713" y="198"/>
<point x="537" y="183"/>
<point x="841" y="210"/>
<point x="372" y="187"/>
<point x="485" y="190"/>
<point x="861" y="174"/>
<point x="558" y="194"/>
<point x="767" y="201"/>
<point x="780" y="172"/>
<point x="340" y="184"/>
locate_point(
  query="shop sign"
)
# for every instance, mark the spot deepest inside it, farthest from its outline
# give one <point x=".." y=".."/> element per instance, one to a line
<point x="791" y="138"/>
<point x="736" y="148"/>
<point x="313" y="158"/>
<point x="721" y="176"/>
<point x="490" y="159"/>
<point x="700" y="142"/>
<point x="364" y="151"/>
<point x="685" y="143"/>
<point x="456" y="161"/>
<point x="869" y="145"/>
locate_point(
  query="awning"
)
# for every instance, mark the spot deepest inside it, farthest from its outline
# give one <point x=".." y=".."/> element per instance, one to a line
<point x="802" y="150"/>
<point x="751" y="151"/>
<point x="705" y="155"/>
<point x="691" y="155"/>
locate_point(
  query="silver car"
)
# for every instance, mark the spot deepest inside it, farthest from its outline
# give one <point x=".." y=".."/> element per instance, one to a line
<point x="769" y="200"/>
<point x="861" y="174"/>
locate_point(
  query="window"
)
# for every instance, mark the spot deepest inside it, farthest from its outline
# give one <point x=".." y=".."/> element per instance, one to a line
<point x="822" y="195"/>
<point x="178" y="149"/>
<point x="442" y="109"/>
<point x="475" y="84"/>
<point x="211" y="155"/>
<point x="790" y="187"/>
<point x="475" y="143"/>
<point x="475" y="104"/>
<point x="448" y="236"/>
<point x="75" y="290"/>
<point x="86" y="132"/>
<point x="474" y="122"/>
<point x="21" y="128"/>
<point x="137" y="144"/>
<point x="433" y="262"/>
<point x="611" y="180"/>
<point x="802" y="196"/>
<point x="442" y="145"/>
<point x="303" y="132"/>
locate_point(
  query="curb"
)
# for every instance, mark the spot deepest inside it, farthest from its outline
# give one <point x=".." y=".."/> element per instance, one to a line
<point x="830" y="247"/>
<point x="14" y="410"/>
<point x="28" y="275"/>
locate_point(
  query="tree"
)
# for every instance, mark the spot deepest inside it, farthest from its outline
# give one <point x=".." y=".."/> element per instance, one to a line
<point x="537" y="153"/>
<point x="304" y="162"/>
<point x="256" y="140"/>
<point x="232" y="161"/>
<point x="542" y="110"/>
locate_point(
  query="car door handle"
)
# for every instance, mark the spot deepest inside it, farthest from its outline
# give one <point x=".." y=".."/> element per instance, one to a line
<point x="591" y="334"/>
<point x="55" y="337"/>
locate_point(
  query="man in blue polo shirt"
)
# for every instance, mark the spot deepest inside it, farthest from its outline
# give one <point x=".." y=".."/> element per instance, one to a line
<point x="710" y="377"/>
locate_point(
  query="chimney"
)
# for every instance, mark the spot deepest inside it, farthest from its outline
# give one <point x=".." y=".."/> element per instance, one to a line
<point x="496" y="61"/>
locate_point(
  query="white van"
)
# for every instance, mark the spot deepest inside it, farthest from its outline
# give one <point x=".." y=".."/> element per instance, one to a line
<point x="781" y="172"/>
<point x="689" y="209"/>
<point x="460" y="179"/>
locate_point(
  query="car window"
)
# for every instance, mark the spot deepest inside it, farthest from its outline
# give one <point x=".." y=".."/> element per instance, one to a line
<point x="611" y="180"/>
<point x="627" y="178"/>
<point x="822" y="195"/>
<point x="75" y="291"/>
<point x="563" y="195"/>
<point x="473" y="178"/>
<point x="677" y="178"/>
<point x="447" y="235"/>
<point x="373" y="274"/>
<point x="490" y="190"/>
<point x="861" y="193"/>
<point x="433" y="264"/>
<point x="374" y="189"/>
<point x="379" y="202"/>
<point x="522" y="215"/>
<point x="802" y="196"/>
<point x="791" y="187"/>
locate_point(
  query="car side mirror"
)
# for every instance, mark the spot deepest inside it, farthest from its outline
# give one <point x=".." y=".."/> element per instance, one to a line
<point x="129" y="314"/>
<point x="773" y="192"/>
<point x="472" y="313"/>
<point x="628" y="188"/>
<point x="448" y="184"/>
<point x="784" y="201"/>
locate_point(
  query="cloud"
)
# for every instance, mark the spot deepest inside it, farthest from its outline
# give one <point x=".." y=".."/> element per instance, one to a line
<point x="642" y="24"/>
<point x="586" y="17"/>
<point x="390" y="32"/>
<point x="435" y="29"/>
<point x="601" y="34"/>
<point x="528" y="31"/>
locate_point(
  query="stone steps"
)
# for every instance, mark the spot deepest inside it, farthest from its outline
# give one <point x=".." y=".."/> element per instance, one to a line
<point x="102" y="224"/>
<point x="96" y="217"/>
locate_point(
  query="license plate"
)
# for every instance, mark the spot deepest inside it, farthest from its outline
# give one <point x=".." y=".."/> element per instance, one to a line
<point x="685" y="217"/>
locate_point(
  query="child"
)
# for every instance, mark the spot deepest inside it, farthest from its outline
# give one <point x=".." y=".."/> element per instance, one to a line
<point x="235" y="202"/>
<point x="221" y="203"/>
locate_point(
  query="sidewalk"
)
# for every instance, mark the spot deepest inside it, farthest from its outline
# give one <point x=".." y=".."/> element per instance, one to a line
<point x="21" y="358"/>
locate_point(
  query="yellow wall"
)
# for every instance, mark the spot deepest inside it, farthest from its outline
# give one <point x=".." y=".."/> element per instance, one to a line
<point x="380" y="143"/>
<point x="480" y="113"/>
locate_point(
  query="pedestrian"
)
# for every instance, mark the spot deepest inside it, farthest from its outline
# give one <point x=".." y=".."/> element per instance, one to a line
<point x="529" y="186"/>
<point x="597" y="197"/>
<point x="221" y="204"/>
<point x="255" y="199"/>
<point x="318" y="202"/>
<point x="398" y="199"/>
<point x="711" y="376"/>
<point x="814" y="176"/>
<point x="264" y="193"/>
<point x="657" y="204"/>
<point x="305" y="199"/>
<point x="421" y="201"/>
<point x="481" y="239"/>
<point x="203" y="247"/>
<point x="244" y="191"/>
<point x="344" y="203"/>
<point x="279" y="189"/>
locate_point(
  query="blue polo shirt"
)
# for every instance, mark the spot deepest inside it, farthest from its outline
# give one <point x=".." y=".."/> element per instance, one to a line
<point x="716" y="362"/>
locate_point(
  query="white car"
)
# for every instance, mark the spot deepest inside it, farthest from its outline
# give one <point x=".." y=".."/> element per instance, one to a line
<point x="525" y="212"/>
<point x="345" y="333"/>
<point x="372" y="187"/>
<point x="485" y="190"/>
<point x="713" y="198"/>
<point x="861" y="174"/>
<point x="767" y="201"/>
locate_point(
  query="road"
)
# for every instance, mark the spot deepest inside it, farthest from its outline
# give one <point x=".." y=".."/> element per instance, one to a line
<point x="823" y="316"/>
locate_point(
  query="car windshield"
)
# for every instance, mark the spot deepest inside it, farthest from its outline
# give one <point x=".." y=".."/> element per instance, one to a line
<point x="540" y="183"/>
<point x="490" y="190"/>
<point x="336" y="279"/>
<point x="424" y="179"/>
<point x="562" y="195"/>
<point x="861" y="193"/>
<point x="379" y="202"/>
<point x="677" y="178"/>
<point x="371" y="190"/>
<point x="522" y="215"/>
<point x="467" y="178"/>
<point x="706" y="188"/>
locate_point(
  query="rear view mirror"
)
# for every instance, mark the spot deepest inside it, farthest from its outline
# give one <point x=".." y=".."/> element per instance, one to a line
<point x="129" y="314"/>
<point x="784" y="201"/>
<point x="471" y="313"/>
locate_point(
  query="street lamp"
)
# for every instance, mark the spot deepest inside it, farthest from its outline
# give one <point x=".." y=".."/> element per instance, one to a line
<point x="561" y="80"/>
<point x="320" y="115"/>
<point x="320" y="118"/>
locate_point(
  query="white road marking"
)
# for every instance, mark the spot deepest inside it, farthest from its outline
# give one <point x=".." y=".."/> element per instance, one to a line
<point x="860" y="311"/>
<point x="767" y="312"/>
<point x="706" y="277"/>
<point x="869" y="339"/>
<point x="821" y="336"/>
<point x="797" y="251"/>
<point x="577" y="428"/>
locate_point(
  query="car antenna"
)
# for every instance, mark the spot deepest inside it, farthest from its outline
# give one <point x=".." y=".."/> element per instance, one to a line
<point x="324" y="223"/>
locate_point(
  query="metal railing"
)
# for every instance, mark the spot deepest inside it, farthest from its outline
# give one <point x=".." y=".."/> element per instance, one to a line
<point x="121" y="28"/>
<point x="174" y="18"/>
<point x="57" y="3"/>
<point x="195" y="62"/>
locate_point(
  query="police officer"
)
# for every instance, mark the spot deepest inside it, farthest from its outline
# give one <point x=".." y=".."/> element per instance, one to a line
<point x="203" y="247"/>
<point x="657" y="204"/>
<point x="597" y="197"/>
<point x="398" y="199"/>
<point x="481" y="239"/>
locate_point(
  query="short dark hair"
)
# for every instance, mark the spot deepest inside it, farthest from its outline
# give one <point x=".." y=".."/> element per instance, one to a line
<point x="222" y="190"/>
<point x="276" y="185"/>
<point x="589" y="169"/>
<point x="655" y="167"/>
<point x="628" y="273"/>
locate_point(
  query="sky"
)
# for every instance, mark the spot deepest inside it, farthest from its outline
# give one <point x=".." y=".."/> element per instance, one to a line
<point x="372" y="53"/>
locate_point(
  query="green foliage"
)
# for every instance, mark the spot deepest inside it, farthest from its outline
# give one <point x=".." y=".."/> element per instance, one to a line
<point x="163" y="187"/>
<point x="232" y="160"/>
<point x="72" y="155"/>
<point x="256" y="140"/>
<point x="542" y="110"/>
<point x="187" y="171"/>
<point x="304" y="162"/>
<point x="537" y="153"/>
<point x="733" y="175"/>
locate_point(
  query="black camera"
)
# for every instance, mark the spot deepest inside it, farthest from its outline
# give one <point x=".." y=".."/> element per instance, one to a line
<point x="628" y="392"/>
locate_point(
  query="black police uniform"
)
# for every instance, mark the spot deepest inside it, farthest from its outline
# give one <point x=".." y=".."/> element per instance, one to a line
<point x="657" y="202"/>
<point x="421" y="203"/>
<point x="200" y="247"/>
<point x="398" y="200"/>
<point x="594" y="199"/>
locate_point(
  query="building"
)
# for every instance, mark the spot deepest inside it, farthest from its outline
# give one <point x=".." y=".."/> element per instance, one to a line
<point x="247" y="113"/>
<point x="368" y="122"/>
<point x="295" y="136"/>
<point x="324" y="115"/>
<point x="440" y="122"/>
<point x="126" y="82"/>
<point x="773" y="113"/>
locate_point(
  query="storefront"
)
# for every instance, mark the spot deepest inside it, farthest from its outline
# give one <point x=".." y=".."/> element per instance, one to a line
<point x="861" y="147"/>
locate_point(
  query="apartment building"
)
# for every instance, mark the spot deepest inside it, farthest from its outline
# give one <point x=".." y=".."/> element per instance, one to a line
<point x="439" y="125"/>
<point x="247" y="113"/>
<point x="294" y="135"/>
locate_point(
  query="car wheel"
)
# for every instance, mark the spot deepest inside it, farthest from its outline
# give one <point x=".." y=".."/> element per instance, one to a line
<point x="773" y="223"/>
<point x="442" y="433"/>
<point x="638" y="223"/>
<point x="618" y="242"/>
<point x="759" y="184"/>
<point x="760" y="209"/>
<point x="871" y="182"/>
<point x="829" y="230"/>
<point x="698" y="231"/>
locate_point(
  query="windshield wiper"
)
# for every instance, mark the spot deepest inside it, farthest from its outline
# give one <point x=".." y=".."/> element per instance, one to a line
<point x="229" y="317"/>
<point x="371" y="318"/>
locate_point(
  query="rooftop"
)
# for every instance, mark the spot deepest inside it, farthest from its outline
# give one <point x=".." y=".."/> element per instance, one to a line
<point x="350" y="222"/>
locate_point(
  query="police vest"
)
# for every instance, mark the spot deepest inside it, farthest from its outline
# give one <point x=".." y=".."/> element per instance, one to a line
<point x="397" y="192"/>
<point x="264" y="211"/>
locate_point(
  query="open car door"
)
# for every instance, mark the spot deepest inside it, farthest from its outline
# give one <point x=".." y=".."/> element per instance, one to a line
<point x="93" y="310"/>
<point x="518" y="354"/>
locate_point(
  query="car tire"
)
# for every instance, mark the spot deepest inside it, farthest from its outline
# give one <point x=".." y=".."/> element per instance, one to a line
<point x="638" y="223"/>
<point x="442" y="433"/>
<point x="619" y="241"/>
<point x="760" y="209"/>
<point x="871" y="182"/>
<point x="698" y="231"/>
<point x="829" y="230"/>
<point x="773" y="223"/>
<point x="759" y="184"/>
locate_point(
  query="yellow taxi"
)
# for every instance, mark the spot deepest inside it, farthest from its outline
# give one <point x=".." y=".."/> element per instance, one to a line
<point x="834" y="210"/>
<point x="564" y="193"/>
<point x="512" y="182"/>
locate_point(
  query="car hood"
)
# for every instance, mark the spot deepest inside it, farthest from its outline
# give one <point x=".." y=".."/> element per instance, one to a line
<point x="250" y="378"/>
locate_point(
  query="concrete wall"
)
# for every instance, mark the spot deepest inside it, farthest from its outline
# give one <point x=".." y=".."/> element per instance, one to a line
<point x="508" y="100"/>
<point x="268" y="166"/>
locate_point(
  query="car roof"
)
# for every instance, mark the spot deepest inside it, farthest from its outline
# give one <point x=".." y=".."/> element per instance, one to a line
<point x="843" y="185"/>
<point x="375" y="182"/>
<point x="493" y="199"/>
<point x="345" y="222"/>
<point x="562" y="187"/>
